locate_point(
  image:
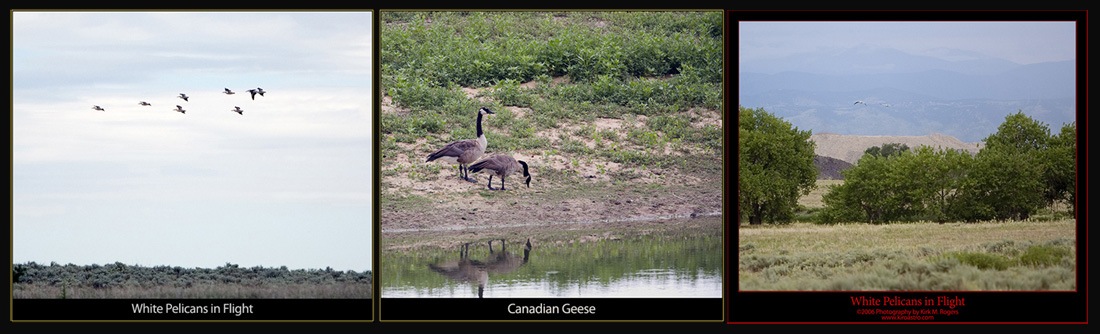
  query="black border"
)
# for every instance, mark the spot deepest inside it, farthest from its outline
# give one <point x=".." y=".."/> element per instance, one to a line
<point x="606" y="309"/>
<point x="980" y="307"/>
<point x="740" y="307"/>
<point x="258" y="310"/>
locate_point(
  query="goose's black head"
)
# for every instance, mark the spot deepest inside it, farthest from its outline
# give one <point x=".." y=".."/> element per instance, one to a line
<point x="526" y="174"/>
<point x="485" y="110"/>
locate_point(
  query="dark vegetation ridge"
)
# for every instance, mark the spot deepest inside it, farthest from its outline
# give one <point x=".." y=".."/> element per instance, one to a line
<point x="829" y="168"/>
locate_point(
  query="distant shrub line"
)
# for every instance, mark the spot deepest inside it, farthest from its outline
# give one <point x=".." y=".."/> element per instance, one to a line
<point x="119" y="275"/>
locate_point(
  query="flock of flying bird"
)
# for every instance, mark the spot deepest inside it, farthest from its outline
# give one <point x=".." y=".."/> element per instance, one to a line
<point x="883" y="104"/>
<point x="466" y="153"/>
<point x="186" y="98"/>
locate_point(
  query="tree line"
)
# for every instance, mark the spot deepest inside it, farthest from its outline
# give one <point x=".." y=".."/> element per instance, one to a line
<point x="1022" y="169"/>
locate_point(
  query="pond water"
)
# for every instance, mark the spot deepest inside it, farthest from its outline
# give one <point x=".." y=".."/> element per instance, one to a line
<point x="654" y="265"/>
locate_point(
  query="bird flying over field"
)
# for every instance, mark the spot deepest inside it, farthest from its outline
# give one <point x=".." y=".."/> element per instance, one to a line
<point x="237" y="110"/>
<point x="229" y="92"/>
<point x="97" y="108"/>
<point x="180" y="109"/>
<point x="144" y="103"/>
<point x="183" y="96"/>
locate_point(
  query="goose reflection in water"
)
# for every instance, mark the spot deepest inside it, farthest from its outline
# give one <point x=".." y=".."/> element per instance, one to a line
<point x="466" y="270"/>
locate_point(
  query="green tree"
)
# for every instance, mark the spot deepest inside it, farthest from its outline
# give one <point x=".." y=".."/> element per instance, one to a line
<point x="1060" y="172"/>
<point x="934" y="177"/>
<point x="1008" y="175"/>
<point x="775" y="166"/>
<point x="951" y="174"/>
<point x="878" y="189"/>
<point x="1021" y="169"/>
<point x="887" y="150"/>
<point x="1019" y="134"/>
<point x="1003" y="186"/>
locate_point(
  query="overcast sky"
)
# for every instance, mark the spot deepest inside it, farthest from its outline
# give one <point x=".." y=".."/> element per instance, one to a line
<point x="288" y="183"/>
<point x="1022" y="42"/>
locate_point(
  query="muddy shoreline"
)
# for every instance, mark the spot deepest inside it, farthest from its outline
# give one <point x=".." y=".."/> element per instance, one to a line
<point x="592" y="213"/>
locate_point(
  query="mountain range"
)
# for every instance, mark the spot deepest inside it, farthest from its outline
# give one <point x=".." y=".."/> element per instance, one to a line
<point x="941" y="91"/>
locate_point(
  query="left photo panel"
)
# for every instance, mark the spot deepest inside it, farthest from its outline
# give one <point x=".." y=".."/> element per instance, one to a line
<point x="191" y="165"/>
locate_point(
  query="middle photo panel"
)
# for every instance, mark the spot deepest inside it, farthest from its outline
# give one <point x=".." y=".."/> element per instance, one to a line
<point x="551" y="166"/>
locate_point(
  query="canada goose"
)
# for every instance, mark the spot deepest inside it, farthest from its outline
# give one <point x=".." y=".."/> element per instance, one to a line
<point x="500" y="165"/>
<point x="466" y="151"/>
<point x="468" y="270"/>
<point x="229" y="92"/>
<point x="237" y="110"/>
<point x="859" y="102"/>
<point x="180" y="109"/>
<point x="503" y="261"/>
<point x="144" y="103"/>
<point x="97" y="108"/>
<point x="464" y="270"/>
<point x="183" y="96"/>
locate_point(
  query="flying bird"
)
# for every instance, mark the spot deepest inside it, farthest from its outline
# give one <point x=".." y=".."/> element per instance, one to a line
<point x="256" y="91"/>
<point x="180" y="109"/>
<point x="229" y="92"/>
<point x="97" y="108"/>
<point x="237" y="110"/>
<point x="859" y="102"/>
<point x="183" y="96"/>
<point x="886" y="105"/>
<point x="145" y="103"/>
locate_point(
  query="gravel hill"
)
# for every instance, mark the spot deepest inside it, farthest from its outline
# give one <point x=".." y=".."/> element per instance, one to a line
<point x="849" y="148"/>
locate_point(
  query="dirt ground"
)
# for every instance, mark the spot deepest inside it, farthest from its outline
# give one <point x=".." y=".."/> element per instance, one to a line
<point x="443" y="210"/>
<point x="457" y="208"/>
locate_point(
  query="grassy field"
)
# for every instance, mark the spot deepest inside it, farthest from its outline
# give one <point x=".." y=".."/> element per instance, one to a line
<point x="615" y="112"/>
<point x="990" y="256"/>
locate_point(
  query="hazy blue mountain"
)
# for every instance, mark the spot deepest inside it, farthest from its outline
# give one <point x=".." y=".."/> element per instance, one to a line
<point x="948" y="91"/>
<point x="866" y="59"/>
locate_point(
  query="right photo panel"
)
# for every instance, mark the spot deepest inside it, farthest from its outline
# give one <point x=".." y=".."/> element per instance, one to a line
<point x="551" y="166"/>
<point x="909" y="167"/>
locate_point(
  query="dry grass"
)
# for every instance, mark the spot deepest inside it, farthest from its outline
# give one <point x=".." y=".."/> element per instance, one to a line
<point x="907" y="257"/>
<point x="813" y="199"/>
<point x="804" y="237"/>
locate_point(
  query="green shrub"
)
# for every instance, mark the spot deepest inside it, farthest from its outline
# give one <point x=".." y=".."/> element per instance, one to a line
<point x="1044" y="255"/>
<point x="981" y="260"/>
<point x="508" y="92"/>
